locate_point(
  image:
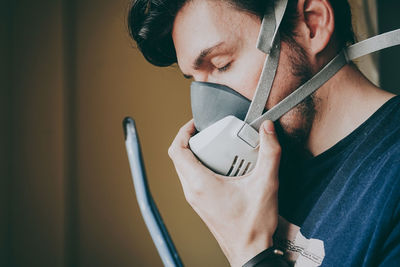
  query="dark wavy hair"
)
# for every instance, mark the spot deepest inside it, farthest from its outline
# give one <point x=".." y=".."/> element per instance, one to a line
<point x="150" y="24"/>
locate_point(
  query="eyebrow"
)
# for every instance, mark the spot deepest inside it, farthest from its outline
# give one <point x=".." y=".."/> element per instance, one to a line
<point x="200" y="58"/>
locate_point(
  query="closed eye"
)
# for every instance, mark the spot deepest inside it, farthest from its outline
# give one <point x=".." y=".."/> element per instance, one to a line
<point x="224" y="68"/>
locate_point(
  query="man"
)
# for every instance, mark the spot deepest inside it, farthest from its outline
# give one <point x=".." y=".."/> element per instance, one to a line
<point x="338" y="177"/>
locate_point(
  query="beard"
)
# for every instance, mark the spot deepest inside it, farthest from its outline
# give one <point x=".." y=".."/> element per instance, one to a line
<point x="295" y="126"/>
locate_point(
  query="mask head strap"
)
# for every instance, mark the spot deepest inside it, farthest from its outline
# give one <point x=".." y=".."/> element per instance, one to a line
<point x="269" y="43"/>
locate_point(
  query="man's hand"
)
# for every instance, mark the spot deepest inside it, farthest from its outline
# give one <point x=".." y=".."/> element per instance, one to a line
<point x="241" y="212"/>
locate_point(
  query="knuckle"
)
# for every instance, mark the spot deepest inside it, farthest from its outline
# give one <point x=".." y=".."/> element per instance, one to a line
<point x="171" y="151"/>
<point x="182" y="130"/>
<point x="197" y="189"/>
<point x="194" y="192"/>
<point x="190" y="198"/>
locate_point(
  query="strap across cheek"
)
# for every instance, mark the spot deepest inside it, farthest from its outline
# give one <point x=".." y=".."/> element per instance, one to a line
<point x="268" y="42"/>
<point x="357" y="50"/>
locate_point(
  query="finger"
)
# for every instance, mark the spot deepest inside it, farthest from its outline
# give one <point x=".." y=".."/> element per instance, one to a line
<point x="184" y="134"/>
<point x="269" y="151"/>
<point x="179" y="149"/>
<point x="188" y="166"/>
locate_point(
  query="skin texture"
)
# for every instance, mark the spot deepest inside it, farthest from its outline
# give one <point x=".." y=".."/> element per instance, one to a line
<point x="236" y="32"/>
<point x="249" y="203"/>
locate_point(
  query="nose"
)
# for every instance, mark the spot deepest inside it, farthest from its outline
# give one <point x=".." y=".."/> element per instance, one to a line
<point x="200" y="77"/>
<point x="204" y="77"/>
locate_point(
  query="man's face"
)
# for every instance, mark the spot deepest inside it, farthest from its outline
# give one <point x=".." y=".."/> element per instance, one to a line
<point x="216" y="43"/>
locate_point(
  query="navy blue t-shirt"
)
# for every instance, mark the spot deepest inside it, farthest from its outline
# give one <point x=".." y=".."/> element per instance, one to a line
<point x="347" y="199"/>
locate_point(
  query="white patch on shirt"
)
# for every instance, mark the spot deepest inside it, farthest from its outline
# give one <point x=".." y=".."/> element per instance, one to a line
<point x="299" y="251"/>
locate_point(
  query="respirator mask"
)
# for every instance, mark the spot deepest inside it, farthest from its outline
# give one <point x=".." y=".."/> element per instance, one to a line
<point x="228" y="123"/>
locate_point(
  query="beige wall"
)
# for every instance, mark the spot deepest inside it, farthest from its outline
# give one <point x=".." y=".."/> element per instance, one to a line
<point x="68" y="195"/>
<point x="114" y="81"/>
<point x="75" y="77"/>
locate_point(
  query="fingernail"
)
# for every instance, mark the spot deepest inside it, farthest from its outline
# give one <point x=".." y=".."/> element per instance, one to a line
<point x="269" y="127"/>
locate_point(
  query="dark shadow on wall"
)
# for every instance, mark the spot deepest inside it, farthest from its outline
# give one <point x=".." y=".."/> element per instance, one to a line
<point x="5" y="130"/>
<point x="70" y="140"/>
<point x="36" y="142"/>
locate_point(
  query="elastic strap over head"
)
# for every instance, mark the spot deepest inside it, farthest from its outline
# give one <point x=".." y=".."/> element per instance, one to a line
<point x="268" y="42"/>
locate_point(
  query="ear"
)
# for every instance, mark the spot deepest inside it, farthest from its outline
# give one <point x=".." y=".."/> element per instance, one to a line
<point x="318" y="24"/>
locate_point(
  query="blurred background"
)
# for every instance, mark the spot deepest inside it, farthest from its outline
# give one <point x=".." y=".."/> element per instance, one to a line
<point x="69" y="74"/>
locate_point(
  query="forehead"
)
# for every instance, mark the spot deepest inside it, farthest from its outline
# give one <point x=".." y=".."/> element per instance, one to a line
<point x="203" y="23"/>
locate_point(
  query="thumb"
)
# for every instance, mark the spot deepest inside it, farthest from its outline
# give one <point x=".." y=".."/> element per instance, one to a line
<point x="269" y="151"/>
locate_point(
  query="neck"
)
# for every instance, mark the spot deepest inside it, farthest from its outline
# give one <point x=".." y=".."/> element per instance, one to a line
<point x="342" y="104"/>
